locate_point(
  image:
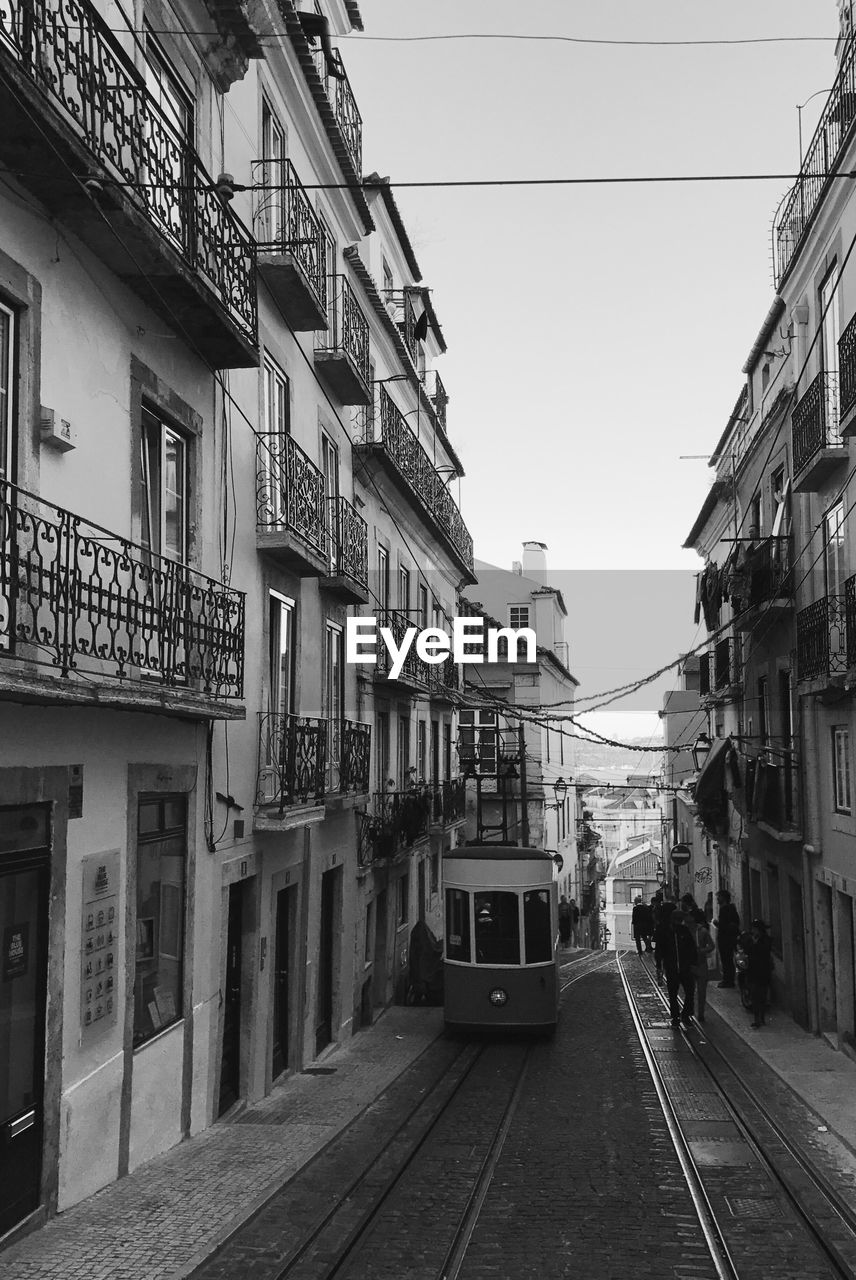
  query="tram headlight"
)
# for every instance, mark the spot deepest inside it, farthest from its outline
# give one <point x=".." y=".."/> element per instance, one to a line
<point x="498" y="997"/>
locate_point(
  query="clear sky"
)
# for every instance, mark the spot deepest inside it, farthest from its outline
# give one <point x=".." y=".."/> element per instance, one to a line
<point x="595" y="334"/>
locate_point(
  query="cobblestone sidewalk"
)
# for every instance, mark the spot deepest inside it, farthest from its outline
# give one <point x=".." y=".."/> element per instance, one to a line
<point x="163" y="1219"/>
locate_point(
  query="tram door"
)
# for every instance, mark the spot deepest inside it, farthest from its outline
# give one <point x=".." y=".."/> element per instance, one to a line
<point x="24" y="890"/>
<point x="231" y="1059"/>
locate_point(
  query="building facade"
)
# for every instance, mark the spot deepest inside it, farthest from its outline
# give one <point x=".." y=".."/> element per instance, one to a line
<point x="222" y="432"/>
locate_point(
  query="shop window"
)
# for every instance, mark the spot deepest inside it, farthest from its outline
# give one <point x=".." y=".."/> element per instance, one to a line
<point x="161" y="872"/>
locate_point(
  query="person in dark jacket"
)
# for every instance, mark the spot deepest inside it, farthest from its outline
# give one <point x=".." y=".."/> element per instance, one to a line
<point x="564" y="921"/>
<point x="727" y="932"/>
<point x="642" y="924"/>
<point x="675" y="948"/>
<point x="759" y="969"/>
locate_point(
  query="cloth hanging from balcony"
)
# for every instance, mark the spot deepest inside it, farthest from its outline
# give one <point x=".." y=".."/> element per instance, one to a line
<point x="710" y="795"/>
<point x="710" y="590"/>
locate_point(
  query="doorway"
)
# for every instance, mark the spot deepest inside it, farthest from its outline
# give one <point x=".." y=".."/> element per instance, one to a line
<point x="796" y="974"/>
<point x="324" y="1017"/>
<point x="285" y="903"/>
<point x="230" y="1061"/>
<point x="24" y="893"/>
<point x="380" y="977"/>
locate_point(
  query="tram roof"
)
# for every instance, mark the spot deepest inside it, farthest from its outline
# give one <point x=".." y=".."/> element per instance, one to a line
<point x="498" y="853"/>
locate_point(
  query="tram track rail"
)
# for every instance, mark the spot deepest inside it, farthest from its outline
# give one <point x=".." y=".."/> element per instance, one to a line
<point x="827" y="1219"/>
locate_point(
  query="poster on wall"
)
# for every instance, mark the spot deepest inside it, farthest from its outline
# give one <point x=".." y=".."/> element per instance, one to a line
<point x="99" y="959"/>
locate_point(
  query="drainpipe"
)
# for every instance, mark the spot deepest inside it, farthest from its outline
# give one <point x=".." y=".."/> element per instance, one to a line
<point x="810" y="779"/>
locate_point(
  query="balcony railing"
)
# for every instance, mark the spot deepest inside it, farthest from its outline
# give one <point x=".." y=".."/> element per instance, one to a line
<point x="292" y="761"/>
<point x="350" y="546"/>
<point x="767" y="573"/>
<point x="718" y="669"/>
<point x="847" y="367"/>
<point x="290" y="491"/>
<point x="355" y="756"/>
<point x="346" y="337"/>
<point x="341" y="98"/>
<point x="824" y="641"/>
<point x="815" y="420"/>
<point x="398" y="819"/>
<point x="448" y="801"/>
<point x="819" y="163"/>
<point x="445" y="678"/>
<point x="414" y="670"/>
<point x="772" y="788"/>
<point x="91" y="605"/>
<point x="75" y="62"/>
<point x="438" y="396"/>
<point x="286" y="222"/>
<point x="389" y="427"/>
<point x="404" y="315"/>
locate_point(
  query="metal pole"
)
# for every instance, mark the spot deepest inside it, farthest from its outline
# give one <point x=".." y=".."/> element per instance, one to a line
<point x="524" y="794"/>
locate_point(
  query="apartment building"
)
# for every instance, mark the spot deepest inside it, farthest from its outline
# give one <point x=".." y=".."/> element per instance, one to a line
<point x="221" y="433"/>
<point x="778" y="598"/>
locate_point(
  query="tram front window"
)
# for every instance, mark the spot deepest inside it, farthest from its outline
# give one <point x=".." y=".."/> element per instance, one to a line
<point x="457" y="925"/>
<point x="536" y="926"/>
<point x="497" y="928"/>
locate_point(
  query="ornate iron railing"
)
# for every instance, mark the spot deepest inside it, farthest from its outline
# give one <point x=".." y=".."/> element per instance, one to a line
<point x="290" y="490"/>
<point x="341" y="98"/>
<point x="850" y="620"/>
<point x="822" y="638"/>
<point x="767" y="573"/>
<point x="445" y="677"/>
<point x="448" y="803"/>
<point x="396" y="821"/>
<point x="286" y="222"/>
<point x="814" y="424"/>
<point x="90" y="603"/>
<point x="350" y="541"/>
<point x="847" y="367"/>
<point x="72" y="57"/>
<point x="292" y="761"/>
<point x="348" y="329"/>
<point x="355" y="756"/>
<point x="438" y="396"/>
<point x="389" y="427"/>
<point x="404" y="316"/>
<point x="414" y="670"/>
<point x="818" y="165"/>
<point x="724" y="667"/>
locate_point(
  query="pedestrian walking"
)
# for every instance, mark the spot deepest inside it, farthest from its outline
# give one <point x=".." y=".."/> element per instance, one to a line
<point x="641" y="924"/>
<point x="656" y="908"/>
<point x="705" y="945"/>
<point x="677" y="950"/>
<point x="727" y="932"/>
<point x="564" y="921"/>
<point x="575" y="922"/>
<point x="759" y="969"/>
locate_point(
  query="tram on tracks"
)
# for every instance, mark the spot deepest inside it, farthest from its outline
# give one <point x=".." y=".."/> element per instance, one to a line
<point x="501" y="966"/>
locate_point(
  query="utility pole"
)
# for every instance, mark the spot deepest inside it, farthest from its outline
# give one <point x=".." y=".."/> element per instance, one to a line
<point x="524" y="794"/>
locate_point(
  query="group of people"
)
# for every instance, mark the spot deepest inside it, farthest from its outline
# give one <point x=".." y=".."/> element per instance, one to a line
<point x="569" y="922"/>
<point x="679" y="934"/>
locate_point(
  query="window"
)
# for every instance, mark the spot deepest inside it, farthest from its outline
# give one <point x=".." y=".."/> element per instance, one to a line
<point x="755" y="517"/>
<point x="161" y="863"/>
<point x="334" y="700"/>
<point x="458" y="925"/>
<point x="164" y="489"/>
<point x="447" y="752"/>
<point x="388" y="282"/>
<point x="330" y="469"/>
<point x="422" y="751"/>
<point x="403" y="899"/>
<point x="497" y="928"/>
<point x="536" y="926"/>
<point x="404" y="589"/>
<point x="382" y="749"/>
<point x="403" y="751"/>
<point x="422" y="620"/>
<point x="841" y="769"/>
<point x="271" y="213"/>
<point x="833" y="536"/>
<point x="281" y="658"/>
<point x="167" y="169"/>
<point x="477" y="740"/>
<point x="7" y="354"/>
<point x="518" y="615"/>
<point x="277" y="419"/>
<point x="829" y="332"/>
<point x="763" y="711"/>
<point x="383" y="579"/>
<point x="329" y="250"/>
<point x="435" y="872"/>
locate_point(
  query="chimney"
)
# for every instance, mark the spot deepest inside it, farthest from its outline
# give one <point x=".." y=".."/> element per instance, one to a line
<point x="516" y="567"/>
<point x="535" y="561"/>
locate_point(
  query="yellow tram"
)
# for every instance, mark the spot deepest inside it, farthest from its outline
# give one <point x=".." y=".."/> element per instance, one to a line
<point x="501" y="967"/>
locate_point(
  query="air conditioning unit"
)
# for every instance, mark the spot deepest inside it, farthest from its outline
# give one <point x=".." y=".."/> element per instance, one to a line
<point x="56" y="432"/>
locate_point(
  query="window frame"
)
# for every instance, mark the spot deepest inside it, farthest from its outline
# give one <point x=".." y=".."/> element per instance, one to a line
<point x="522" y="609"/>
<point x="8" y="365"/>
<point x="842" y="785"/>
<point x="154" y="936"/>
<point x="271" y="212"/>
<point x="157" y="435"/>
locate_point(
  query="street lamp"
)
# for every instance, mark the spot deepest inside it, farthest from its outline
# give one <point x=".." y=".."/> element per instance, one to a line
<point x="560" y="790"/>
<point x="701" y="749"/>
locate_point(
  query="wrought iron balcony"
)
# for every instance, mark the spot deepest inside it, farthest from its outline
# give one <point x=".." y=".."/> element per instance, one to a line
<point x="414" y="672"/>
<point x="349" y="552"/>
<point x="292" y="763"/>
<point x="87" y="137"/>
<point x="89" y="616"/>
<point x="819" y="164"/>
<point x="355" y="756"/>
<point x="768" y="582"/>
<point x="291" y="505"/>
<point x="342" y="356"/>
<point x="718" y="673"/>
<point x="438" y="396"/>
<point x="291" y="256"/>
<point x="826" y="635"/>
<point x="448" y="802"/>
<point x="771" y="788"/>
<point x="847" y="371"/>
<point x="397" y="821"/>
<point x="445" y="679"/>
<point x="386" y="432"/>
<point x="817" y="444"/>
<point x="344" y="105"/>
<point x="404" y="315"/>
